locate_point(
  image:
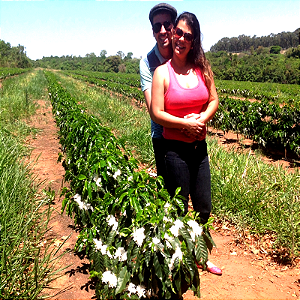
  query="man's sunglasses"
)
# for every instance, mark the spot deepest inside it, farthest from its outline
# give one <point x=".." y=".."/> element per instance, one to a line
<point x="157" y="26"/>
<point x="179" y="33"/>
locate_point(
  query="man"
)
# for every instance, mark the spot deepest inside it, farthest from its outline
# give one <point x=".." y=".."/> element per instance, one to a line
<point x="162" y="17"/>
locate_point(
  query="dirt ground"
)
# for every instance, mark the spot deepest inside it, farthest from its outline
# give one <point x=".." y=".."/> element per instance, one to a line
<point x="248" y="272"/>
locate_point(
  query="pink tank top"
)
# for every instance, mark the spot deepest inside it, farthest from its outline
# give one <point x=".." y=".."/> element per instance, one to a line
<point x="181" y="101"/>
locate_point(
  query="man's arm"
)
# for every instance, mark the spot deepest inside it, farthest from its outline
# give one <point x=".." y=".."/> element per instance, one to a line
<point x="146" y="82"/>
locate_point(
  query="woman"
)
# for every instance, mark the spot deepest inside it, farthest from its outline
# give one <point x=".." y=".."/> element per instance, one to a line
<point x="184" y="99"/>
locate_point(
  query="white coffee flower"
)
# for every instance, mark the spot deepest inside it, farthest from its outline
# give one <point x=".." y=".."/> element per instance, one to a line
<point x="167" y="205"/>
<point x="111" y="220"/>
<point x="87" y="206"/>
<point x="197" y="229"/>
<point x="131" y="289"/>
<point x="140" y="290"/>
<point x="138" y="236"/>
<point x="98" y="244"/>
<point x="97" y="179"/>
<point x="77" y="198"/>
<point x="166" y="220"/>
<point x="174" y="230"/>
<point x="118" y="173"/>
<point x="178" y="223"/>
<point x="177" y="254"/>
<point x="121" y="254"/>
<point x="109" y="278"/>
<point x="155" y="240"/>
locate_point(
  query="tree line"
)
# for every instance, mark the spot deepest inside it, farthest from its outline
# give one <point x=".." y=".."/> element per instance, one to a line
<point x="91" y="62"/>
<point x="258" y="63"/>
<point x="244" y="43"/>
<point x="13" y="57"/>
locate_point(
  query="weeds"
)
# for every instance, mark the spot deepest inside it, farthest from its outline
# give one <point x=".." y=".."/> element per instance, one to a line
<point x="27" y="264"/>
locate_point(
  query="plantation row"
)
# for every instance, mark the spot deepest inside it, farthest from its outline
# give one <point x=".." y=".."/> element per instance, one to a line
<point x="281" y="94"/>
<point x="131" y="229"/>
<point x="115" y="86"/>
<point x="277" y="93"/>
<point x="7" y="72"/>
<point x="269" y="124"/>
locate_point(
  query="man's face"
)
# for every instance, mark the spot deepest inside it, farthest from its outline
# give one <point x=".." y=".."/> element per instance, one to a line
<point x="163" y="36"/>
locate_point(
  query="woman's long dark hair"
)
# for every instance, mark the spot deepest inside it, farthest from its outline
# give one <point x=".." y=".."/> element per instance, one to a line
<point x="196" y="55"/>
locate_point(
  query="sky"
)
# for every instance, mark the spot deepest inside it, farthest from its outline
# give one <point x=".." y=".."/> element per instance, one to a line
<point x="55" y="27"/>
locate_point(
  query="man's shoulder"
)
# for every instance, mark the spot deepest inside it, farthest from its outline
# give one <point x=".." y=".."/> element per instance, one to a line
<point x="153" y="59"/>
<point x="150" y="54"/>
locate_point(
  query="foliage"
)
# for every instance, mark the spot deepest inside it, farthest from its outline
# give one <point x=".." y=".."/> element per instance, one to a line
<point x="139" y="242"/>
<point x="7" y="72"/>
<point x="13" y="57"/>
<point x="91" y="62"/>
<point x="294" y="52"/>
<point x="125" y="84"/>
<point x="244" y="43"/>
<point x="281" y="94"/>
<point x="258" y="66"/>
<point x="267" y="124"/>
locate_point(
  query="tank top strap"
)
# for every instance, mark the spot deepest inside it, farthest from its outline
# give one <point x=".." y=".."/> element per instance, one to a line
<point x="173" y="80"/>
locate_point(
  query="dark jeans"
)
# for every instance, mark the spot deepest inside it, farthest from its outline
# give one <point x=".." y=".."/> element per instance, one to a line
<point x="187" y="167"/>
<point x="159" y="154"/>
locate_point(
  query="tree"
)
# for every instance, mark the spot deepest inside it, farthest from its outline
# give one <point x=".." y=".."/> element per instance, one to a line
<point x="103" y="54"/>
<point x="128" y="56"/>
<point x="275" y="49"/>
<point x="112" y="63"/>
<point x="121" y="54"/>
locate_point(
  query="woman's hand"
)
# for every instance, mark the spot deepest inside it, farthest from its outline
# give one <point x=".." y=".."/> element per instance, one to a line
<point x="194" y="127"/>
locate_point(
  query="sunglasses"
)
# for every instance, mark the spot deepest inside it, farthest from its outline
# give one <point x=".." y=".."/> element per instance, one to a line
<point x="179" y="33"/>
<point x="157" y="26"/>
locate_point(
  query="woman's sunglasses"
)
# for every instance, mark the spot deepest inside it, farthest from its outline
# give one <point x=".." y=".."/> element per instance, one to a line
<point x="179" y="33"/>
<point x="157" y="26"/>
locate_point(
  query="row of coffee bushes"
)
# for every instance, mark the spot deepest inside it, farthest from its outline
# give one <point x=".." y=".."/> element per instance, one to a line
<point x="135" y="235"/>
<point x="270" y="125"/>
<point x="7" y="72"/>
<point x="112" y="82"/>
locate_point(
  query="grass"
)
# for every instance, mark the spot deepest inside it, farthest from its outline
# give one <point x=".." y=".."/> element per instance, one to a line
<point x="255" y="196"/>
<point x="27" y="263"/>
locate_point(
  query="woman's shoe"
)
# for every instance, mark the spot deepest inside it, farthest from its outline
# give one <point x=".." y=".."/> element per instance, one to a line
<point x="213" y="269"/>
<point x="210" y="267"/>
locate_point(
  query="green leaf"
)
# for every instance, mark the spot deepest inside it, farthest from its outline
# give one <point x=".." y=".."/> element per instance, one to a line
<point x="123" y="279"/>
<point x="187" y="237"/>
<point x="201" y="250"/>
<point x="81" y="177"/>
<point x="157" y="267"/>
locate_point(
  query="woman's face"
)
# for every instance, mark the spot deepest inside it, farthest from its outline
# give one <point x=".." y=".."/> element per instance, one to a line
<point x="182" y="39"/>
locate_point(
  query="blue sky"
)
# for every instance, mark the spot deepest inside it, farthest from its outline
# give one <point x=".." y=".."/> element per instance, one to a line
<point x="54" y="27"/>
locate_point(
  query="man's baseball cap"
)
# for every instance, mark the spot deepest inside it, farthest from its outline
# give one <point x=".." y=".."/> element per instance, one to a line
<point x="162" y="8"/>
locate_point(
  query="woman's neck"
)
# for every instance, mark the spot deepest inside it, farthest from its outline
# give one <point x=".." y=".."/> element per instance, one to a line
<point x="181" y="66"/>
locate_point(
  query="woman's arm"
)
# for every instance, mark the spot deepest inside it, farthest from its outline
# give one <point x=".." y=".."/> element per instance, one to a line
<point x="212" y="107"/>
